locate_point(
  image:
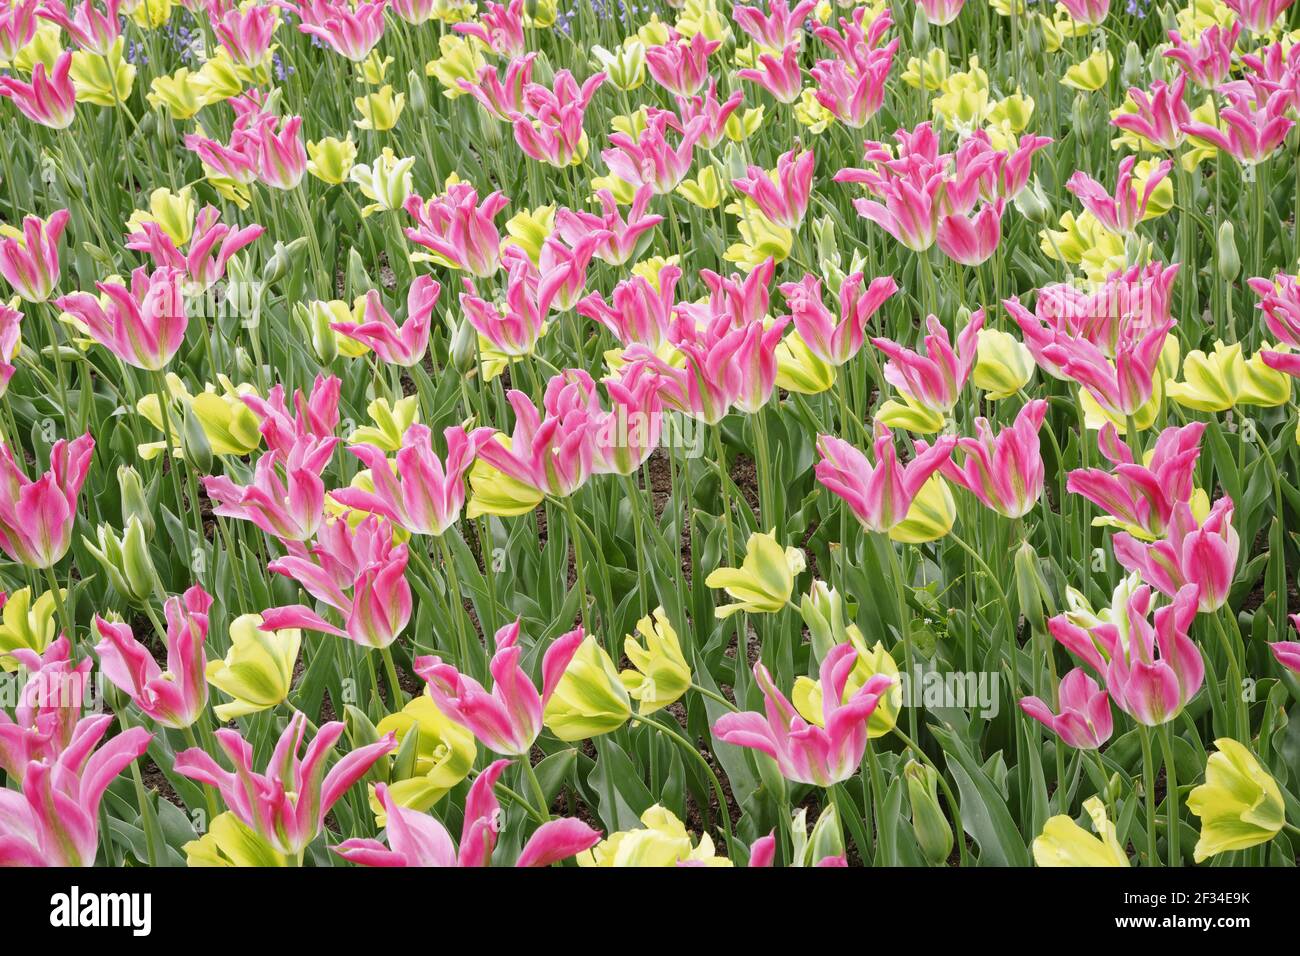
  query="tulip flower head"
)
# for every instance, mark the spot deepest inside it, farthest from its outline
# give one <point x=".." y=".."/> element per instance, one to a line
<point x="933" y="380"/>
<point x="404" y="345"/>
<point x="1240" y="804"/>
<point x="287" y="803"/>
<point x="143" y="324"/>
<point x="1084" y="721"/>
<point x="1202" y="554"/>
<point x="1004" y="471"/>
<point x="1064" y="843"/>
<point x="178" y="696"/>
<point x="257" y="671"/>
<point x="765" y="579"/>
<point x="29" y="260"/>
<point x="50" y="98"/>
<point x="821" y="755"/>
<point x="879" y="494"/>
<point x="36" y="517"/>
<point x="507" y="719"/>
<point x="831" y="341"/>
<point x="417" y="839"/>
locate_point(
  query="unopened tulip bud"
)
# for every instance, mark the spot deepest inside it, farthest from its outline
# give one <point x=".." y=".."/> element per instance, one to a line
<point x="822" y="610"/>
<point x="125" y="560"/>
<point x="464" y="346"/>
<point x="931" y="827"/>
<point x="827" y="838"/>
<point x="358" y="279"/>
<point x="1130" y="73"/>
<point x="920" y="30"/>
<point x="1033" y="203"/>
<point x="1229" y="259"/>
<point x="417" y="98"/>
<point x="194" y="442"/>
<point x="134" y="502"/>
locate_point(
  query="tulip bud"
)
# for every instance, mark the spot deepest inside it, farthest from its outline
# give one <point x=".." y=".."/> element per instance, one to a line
<point x="1003" y="365"/>
<point x="358" y="279"/>
<point x="1033" y="203"/>
<point x="930" y="826"/>
<point x="417" y="97"/>
<point x="125" y="560"/>
<point x="283" y="259"/>
<point x="826" y="839"/>
<point x="1030" y="588"/>
<point x="194" y="441"/>
<point x="316" y="317"/>
<point x="826" y="240"/>
<point x="543" y="72"/>
<point x="1130" y="73"/>
<point x="1229" y="259"/>
<point x="464" y="346"/>
<point x="1081" y="118"/>
<point x="920" y="30"/>
<point x="822" y="610"/>
<point x="135" y="504"/>
<point x="489" y="128"/>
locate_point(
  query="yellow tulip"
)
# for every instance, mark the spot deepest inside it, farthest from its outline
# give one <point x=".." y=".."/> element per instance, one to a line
<point x="760" y="240"/>
<point x="257" y="671"/>
<point x="663" y="841"/>
<point x="743" y="124"/>
<point x="1064" y="843"/>
<point x="386" y="182"/>
<point x="662" y="675"/>
<point x="445" y="753"/>
<point x="765" y="579"/>
<point x="589" y="699"/>
<point x="798" y="370"/>
<point x="705" y="191"/>
<point x="530" y="228"/>
<point x="1003" y="366"/>
<point x="928" y="73"/>
<point x="929" y="517"/>
<point x="810" y="114"/>
<point x="1091" y="74"/>
<point x="494" y="493"/>
<point x="229" y="842"/>
<point x="390" y="423"/>
<point x="172" y="211"/>
<point x="379" y="110"/>
<point x="25" y="623"/>
<point x="330" y="159"/>
<point x="461" y="59"/>
<point x="102" y="80"/>
<point x="909" y="415"/>
<point x="1223" y="379"/>
<point x="1239" y="804"/>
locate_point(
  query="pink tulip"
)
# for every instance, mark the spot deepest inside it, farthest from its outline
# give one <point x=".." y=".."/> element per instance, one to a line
<point x="933" y="380"/>
<point x="17" y="27"/>
<point x="942" y="12"/>
<point x="515" y="331"/>
<point x="639" y="311"/>
<point x="458" y="229"/>
<point x="508" y="719"/>
<point x="854" y="43"/>
<point x="1287" y="362"/>
<point x="1204" y="555"/>
<point x="92" y="30"/>
<point x="618" y="238"/>
<point x="781" y="27"/>
<point x="1091" y="12"/>
<point x="628" y="433"/>
<point x="281" y="155"/>
<point x="563" y="270"/>
<point x="743" y="299"/>
<point x="414" y="12"/>
<point x="726" y="364"/>
<point x="424" y="496"/>
<point x="1127" y="304"/>
<point x="1008" y="174"/>
<point x="1257" y="123"/>
<point x="48" y="708"/>
<point x="549" y="127"/>
<point x="178" y="696"/>
<point x="143" y="325"/>
<point x="552" y="455"/>
<point x="313" y="418"/>
<point x="1209" y="61"/>
<point x="502" y="96"/>
<point x="836" y="342"/>
<point x="1084" y="721"/>
<point x="286" y="805"/>
<point x="240" y="160"/>
<point x="1160" y="114"/>
<point x="1274" y="68"/>
<point x="288" y="507"/>
<point x="1286" y="652"/>
<point x="681" y="66"/>
<point x="36" y="517"/>
<point x="1279" y="300"/>
<point x="246" y="34"/>
<point x="31" y="263"/>
<point x="807" y="753"/>
<point x="970" y="240"/>
<point x="50" y="98"/>
<point x="854" y="93"/>
<point x="879" y="494"/>
<point x="1122" y="212"/>
<point x="1120" y="387"/>
<point x="404" y="346"/>
<point x="780" y="76"/>
<point x="649" y="159"/>
<point x="1142" y="496"/>
<point x="785" y="200"/>
<point x="357" y="571"/>
<point x="54" y="819"/>
<point x="500" y="28"/>
<point x="1005" y="472"/>
<point x="713" y="114"/>
<point x="11" y="323"/>
<point x="417" y="839"/>
<point x="762" y="852"/>
<point x="210" y="247"/>
<point x="351" y="30"/>
<point x="1257" y="16"/>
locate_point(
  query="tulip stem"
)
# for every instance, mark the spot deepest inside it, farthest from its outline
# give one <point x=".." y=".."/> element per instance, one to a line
<point x="169" y="461"/>
<point x="904" y="626"/>
<point x="1171" y="794"/>
<point x="539" y="795"/>
<point x="716" y="697"/>
<point x="1149" y="793"/>
<point x="572" y="518"/>
<point x="723" y="809"/>
<point x="60" y="607"/>
<point x="390" y="672"/>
